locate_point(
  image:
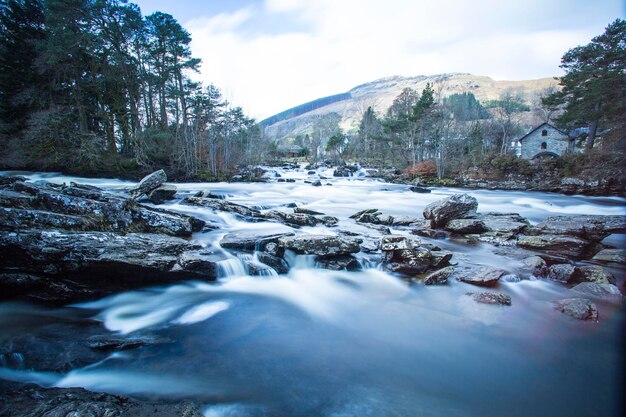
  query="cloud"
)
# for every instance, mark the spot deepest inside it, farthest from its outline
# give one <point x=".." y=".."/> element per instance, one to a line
<point x="271" y="56"/>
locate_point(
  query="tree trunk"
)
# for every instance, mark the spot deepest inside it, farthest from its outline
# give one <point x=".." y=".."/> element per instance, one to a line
<point x="591" y="136"/>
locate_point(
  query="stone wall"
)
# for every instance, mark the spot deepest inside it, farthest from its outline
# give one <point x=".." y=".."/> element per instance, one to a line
<point x="555" y="142"/>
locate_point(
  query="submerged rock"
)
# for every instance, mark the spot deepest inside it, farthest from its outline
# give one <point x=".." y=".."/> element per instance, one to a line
<point x="338" y="263"/>
<point x="578" y="308"/>
<point x="418" y="189"/>
<point x="148" y="183"/>
<point x="457" y="206"/>
<point x="490" y="297"/>
<point x="609" y="291"/>
<point x="276" y="263"/>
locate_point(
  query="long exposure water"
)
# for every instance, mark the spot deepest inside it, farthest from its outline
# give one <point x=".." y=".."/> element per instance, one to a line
<point x="323" y="343"/>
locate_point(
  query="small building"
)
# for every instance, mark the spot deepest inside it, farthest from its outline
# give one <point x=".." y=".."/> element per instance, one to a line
<point x="545" y="141"/>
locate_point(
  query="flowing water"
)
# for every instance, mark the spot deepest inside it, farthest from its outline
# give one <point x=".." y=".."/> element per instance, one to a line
<point x="323" y="343"/>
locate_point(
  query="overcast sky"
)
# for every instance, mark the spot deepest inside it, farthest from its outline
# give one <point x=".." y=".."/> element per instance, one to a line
<point x="269" y="55"/>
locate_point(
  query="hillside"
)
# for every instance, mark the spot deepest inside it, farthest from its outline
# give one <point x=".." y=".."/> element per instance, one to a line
<point x="379" y="94"/>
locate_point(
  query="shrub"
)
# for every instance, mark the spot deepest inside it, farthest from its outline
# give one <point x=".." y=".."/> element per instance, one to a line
<point x="422" y="169"/>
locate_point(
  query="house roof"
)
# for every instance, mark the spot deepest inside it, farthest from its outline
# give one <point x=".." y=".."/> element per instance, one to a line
<point x="539" y="127"/>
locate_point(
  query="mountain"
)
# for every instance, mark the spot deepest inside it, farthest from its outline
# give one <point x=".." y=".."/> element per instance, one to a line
<point x="379" y="94"/>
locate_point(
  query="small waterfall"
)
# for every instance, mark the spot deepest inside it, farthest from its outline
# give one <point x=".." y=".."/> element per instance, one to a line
<point x="299" y="261"/>
<point x="231" y="267"/>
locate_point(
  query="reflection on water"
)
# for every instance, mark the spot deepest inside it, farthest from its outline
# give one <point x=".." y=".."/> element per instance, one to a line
<point x="322" y="343"/>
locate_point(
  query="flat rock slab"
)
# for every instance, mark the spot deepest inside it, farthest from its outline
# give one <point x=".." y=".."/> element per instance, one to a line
<point x="251" y="241"/>
<point x="567" y="246"/>
<point x="578" y="308"/>
<point x="503" y="224"/>
<point x="617" y="256"/>
<point x="590" y="227"/>
<point x="486" y="277"/>
<point x="593" y="273"/>
<point x="465" y="226"/>
<point x="320" y="245"/>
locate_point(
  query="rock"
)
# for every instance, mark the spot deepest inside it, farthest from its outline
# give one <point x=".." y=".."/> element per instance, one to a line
<point x="199" y="194"/>
<point x="561" y="272"/>
<point x="598" y="290"/>
<point x="30" y="400"/>
<point x="579" y="308"/>
<point x="372" y="216"/>
<point x="397" y="242"/>
<point x="439" y="277"/>
<point x="251" y="241"/>
<point x="490" y="297"/>
<point x="110" y="343"/>
<point x="202" y="262"/>
<point x="162" y="193"/>
<point x="17" y="219"/>
<point x="418" y="189"/>
<point x="454" y="207"/>
<point x="302" y="210"/>
<point x="148" y="220"/>
<point x="311" y="173"/>
<point x="593" y="273"/>
<point x="617" y="256"/>
<point x="290" y="180"/>
<point x="223" y="205"/>
<point x="83" y="265"/>
<point x="273" y="249"/>
<point x="486" y="277"/>
<point x="343" y="171"/>
<point x="405" y="221"/>
<point x="329" y="221"/>
<point x="567" y="246"/>
<point x="320" y="245"/>
<point x="293" y="219"/>
<point x="317" y="183"/>
<point x="593" y="228"/>
<point x="465" y="226"/>
<point x="503" y="224"/>
<point x="537" y="266"/>
<point x="338" y="263"/>
<point x="279" y="265"/>
<point x="440" y="258"/>
<point x="430" y="233"/>
<point x="148" y="183"/>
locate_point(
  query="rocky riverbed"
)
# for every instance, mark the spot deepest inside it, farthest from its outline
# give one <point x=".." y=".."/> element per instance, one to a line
<point x="72" y="242"/>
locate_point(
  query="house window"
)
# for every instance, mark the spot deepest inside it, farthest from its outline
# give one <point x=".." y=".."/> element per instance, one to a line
<point x="544" y="145"/>
<point x="544" y="132"/>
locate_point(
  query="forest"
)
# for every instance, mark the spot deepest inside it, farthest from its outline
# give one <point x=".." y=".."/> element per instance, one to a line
<point x="93" y="87"/>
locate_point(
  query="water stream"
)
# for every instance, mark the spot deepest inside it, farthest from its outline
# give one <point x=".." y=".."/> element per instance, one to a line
<point x="324" y="343"/>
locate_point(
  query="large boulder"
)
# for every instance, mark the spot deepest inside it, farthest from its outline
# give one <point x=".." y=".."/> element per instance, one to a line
<point x="536" y="265"/>
<point x="405" y="255"/>
<point x="162" y="193"/>
<point x="465" y="226"/>
<point x="593" y="273"/>
<point x="322" y="245"/>
<point x="578" y="308"/>
<point x="503" y="224"/>
<point x="457" y="206"/>
<point x="593" y="289"/>
<point x="148" y="183"/>
<point x="561" y="272"/>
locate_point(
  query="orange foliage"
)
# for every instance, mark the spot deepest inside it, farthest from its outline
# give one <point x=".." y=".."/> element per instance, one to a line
<point x="422" y="169"/>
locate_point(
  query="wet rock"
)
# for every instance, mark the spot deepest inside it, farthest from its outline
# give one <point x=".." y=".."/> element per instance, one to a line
<point x="397" y="242"/>
<point x="148" y="183"/>
<point x="440" y="258"/>
<point x="372" y="216"/>
<point x="202" y="262"/>
<point x="343" y="171"/>
<point x="90" y="264"/>
<point x="578" y="308"/>
<point x="274" y="249"/>
<point x="16" y="219"/>
<point x="561" y="272"/>
<point x="148" y="220"/>
<point x="199" y="194"/>
<point x="566" y="246"/>
<point x="378" y="227"/>
<point x="251" y="241"/>
<point x="12" y="179"/>
<point x="503" y="224"/>
<point x="537" y="266"/>
<point x="593" y="273"/>
<point x="317" y="183"/>
<point x="110" y="343"/>
<point x="278" y="264"/>
<point x="320" y="245"/>
<point x="465" y="226"/>
<point x="302" y="210"/>
<point x="162" y="193"/>
<point x="29" y="400"/>
<point x="430" y="233"/>
<point x="490" y="297"/>
<point x="439" y="277"/>
<point x="485" y="277"/>
<point x="293" y="219"/>
<point x="338" y="263"/>
<point x="13" y="199"/>
<point x="589" y="227"/>
<point x="617" y="256"/>
<point x="290" y="180"/>
<point x="594" y="289"/>
<point x="405" y="221"/>
<point x="407" y="261"/>
<point x="454" y="207"/>
<point x="223" y="205"/>
<point x="418" y="189"/>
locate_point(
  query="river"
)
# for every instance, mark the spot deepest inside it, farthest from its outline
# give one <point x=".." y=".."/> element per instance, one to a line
<point x="322" y="343"/>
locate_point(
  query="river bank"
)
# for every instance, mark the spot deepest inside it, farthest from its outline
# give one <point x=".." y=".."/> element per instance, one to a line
<point x="261" y="273"/>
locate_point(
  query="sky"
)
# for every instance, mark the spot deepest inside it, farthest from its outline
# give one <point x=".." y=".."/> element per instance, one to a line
<point x="269" y="55"/>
